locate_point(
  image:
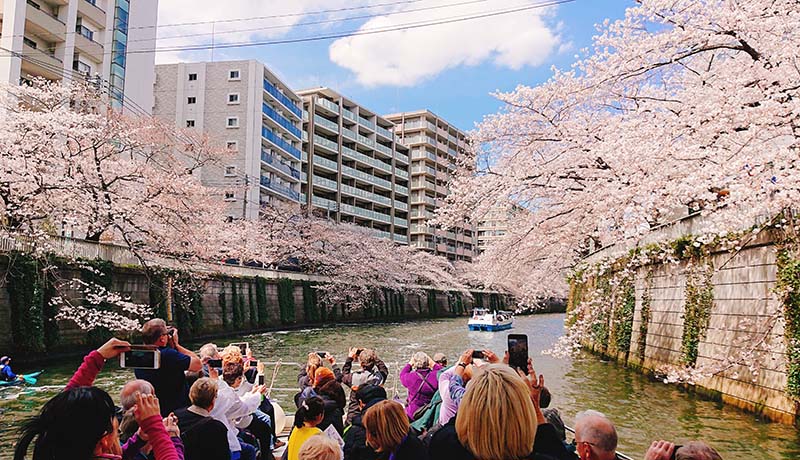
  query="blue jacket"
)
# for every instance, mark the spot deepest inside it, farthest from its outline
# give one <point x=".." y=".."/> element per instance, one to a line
<point x="6" y="373"/>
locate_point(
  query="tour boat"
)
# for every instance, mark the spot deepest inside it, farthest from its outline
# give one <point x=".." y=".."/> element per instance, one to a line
<point x="486" y="320"/>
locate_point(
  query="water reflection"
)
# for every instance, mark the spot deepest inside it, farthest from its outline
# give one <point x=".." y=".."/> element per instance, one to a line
<point x="642" y="409"/>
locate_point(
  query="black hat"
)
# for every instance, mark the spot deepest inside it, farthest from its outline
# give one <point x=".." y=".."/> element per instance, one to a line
<point x="370" y="393"/>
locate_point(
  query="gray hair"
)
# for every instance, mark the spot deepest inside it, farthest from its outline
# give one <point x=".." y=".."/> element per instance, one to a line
<point x="696" y="450"/>
<point x="209" y="350"/>
<point x="420" y="360"/>
<point x="595" y="428"/>
<point x="127" y="396"/>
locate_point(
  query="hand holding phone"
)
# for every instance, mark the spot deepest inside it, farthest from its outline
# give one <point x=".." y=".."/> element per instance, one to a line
<point x="518" y="352"/>
<point x="477" y="354"/>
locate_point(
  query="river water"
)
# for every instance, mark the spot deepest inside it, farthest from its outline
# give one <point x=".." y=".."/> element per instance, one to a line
<point x="643" y="410"/>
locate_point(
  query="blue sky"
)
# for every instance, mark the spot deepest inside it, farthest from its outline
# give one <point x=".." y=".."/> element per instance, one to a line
<point x="432" y="69"/>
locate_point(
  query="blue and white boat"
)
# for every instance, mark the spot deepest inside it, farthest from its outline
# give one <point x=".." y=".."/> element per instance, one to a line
<point x="485" y="320"/>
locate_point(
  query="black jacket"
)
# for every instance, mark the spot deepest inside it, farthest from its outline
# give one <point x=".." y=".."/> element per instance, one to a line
<point x="547" y="446"/>
<point x="355" y="442"/>
<point x="203" y="437"/>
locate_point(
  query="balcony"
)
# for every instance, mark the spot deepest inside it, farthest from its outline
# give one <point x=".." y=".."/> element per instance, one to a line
<point x="422" y="155"/>
<point x="281" y="120"/>
<point x="43" y="24"/>
<point x="416" y="199"/>
<point x="423" y="169"/>
<point x="366" y="141"/>
<point x="89" y="9"/>
<point x="423" y="184"/>
<point x="283" y="99"/>
<point x="401" y="158"/>
<point x="401" y="173"/>
<point x="349" y="133"/>
<point x="401" y="222"/>
<point x="349" y="115"/>
<point x="325" y="203"/>
<point x="325" y="123"/>
<point x="384" y="132"/>
<point x="400" y="239"/>
<point x="325" y="183"/>
<point x="441" y="189"/>
<point x="383" y="149"/>
<point x="282" y="189"/>
<point x="420" y="214"/>
<point x="382" y="234"/>
<point x="374" y="162"/>
<point x="423" y="245"/>
<point x="269" y="159"/>
<point x="401" y="190"/>
<point x="369" y="196"/>
<point x="88" y="47"/>
<point x="356" y="174"/>
<point x="366" y="213"/>
<point x="41" y="64"/>
<point x="364" y="122"/>
<point x="400" y="205"/>
<point x="420" y="228"/>
<point x="280" y="143"/>
<point x="331" y="106"/>
<point x="326" y="143"/>
<point x="325" y="163"/>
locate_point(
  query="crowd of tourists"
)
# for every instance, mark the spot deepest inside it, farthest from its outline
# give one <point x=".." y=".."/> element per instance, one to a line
<point x="210" y="405"/>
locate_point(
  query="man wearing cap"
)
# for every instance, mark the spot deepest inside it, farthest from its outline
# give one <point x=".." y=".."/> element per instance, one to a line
<point x="6" y="374"/>
<point x="355" y="435"/>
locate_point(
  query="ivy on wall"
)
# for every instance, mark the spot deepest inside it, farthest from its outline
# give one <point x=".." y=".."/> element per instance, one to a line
<point x="251" y="303"/>
<point x="236" y="306"/>
<point x="697" y="312"/>
<point x="223" y="308"/>
<point x="646" y="316"/>
<point x="26" y="298"/>
<point x="624" y="307"/>
<point x="788" y="283"/>
<point x="600" y="329"/>
<point x="286" y="300"/>
<point x="310" y="307"/>
<point x="261" y="301"/>
<point x="432" y="310"/>
<point x="187" y="302"/>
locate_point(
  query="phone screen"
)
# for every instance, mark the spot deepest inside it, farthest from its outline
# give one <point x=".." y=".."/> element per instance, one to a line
<point x="260" y="379"/>
<point x="477" y="354"/>
<point x="215" y="363"/>
<point x="518" y="351"/>
<point x="140" y="359"/>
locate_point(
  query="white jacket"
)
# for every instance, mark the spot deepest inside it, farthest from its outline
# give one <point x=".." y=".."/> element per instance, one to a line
<point x="230" y="407"/>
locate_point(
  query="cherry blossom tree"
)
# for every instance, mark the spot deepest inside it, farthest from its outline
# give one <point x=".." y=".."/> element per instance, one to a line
<point x="682" y="105"/>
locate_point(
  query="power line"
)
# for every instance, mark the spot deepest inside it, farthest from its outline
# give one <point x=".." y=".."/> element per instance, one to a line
<point x="351" y="33"/>
<point x="309" y="23"/>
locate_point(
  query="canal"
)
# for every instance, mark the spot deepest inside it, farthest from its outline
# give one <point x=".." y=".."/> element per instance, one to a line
<point x="642" y="409"/>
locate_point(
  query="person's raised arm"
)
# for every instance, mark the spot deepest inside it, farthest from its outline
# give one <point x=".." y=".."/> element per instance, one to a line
<point x="195" y="364"/>
<point x="406" y="377"/>
<point x="381" y="366"/>
<point x="148" y="415"/>
<point x="94" y="361"/>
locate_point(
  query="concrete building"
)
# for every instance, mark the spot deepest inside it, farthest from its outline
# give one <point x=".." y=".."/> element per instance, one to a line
<point x="256" y="115"/>
<point x="434" y="145"/>
<point x="494" y="225"/>
<point x="356" y="171"/>
<point x="70" y="39"/>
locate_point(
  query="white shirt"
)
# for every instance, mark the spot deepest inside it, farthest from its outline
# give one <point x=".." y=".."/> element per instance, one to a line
<point x="230" y="407"/>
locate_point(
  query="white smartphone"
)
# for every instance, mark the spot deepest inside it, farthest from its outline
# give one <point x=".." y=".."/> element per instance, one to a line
<point x="140" y="358"/>
<point x="243" y="346"/>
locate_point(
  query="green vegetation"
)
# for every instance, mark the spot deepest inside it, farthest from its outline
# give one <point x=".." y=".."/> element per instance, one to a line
<point x="286" y="300"/>
<point x="697" y="312"/>
<point x="624" y="306"/>
<point x="26" y="298"/>
<point x="646" y="315"/>
<point x="788" y="284"/>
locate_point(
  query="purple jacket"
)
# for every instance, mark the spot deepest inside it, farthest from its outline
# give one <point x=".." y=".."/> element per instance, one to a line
<point x="422" y="384"/>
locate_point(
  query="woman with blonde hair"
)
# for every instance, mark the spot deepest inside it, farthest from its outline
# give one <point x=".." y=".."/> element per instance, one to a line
<point x="499" y="418"/>
<point x="320" y="448"/>
<point x="388" y="433"/>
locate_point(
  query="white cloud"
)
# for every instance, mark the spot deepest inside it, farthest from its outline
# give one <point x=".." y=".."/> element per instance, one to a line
<point x="404" y="58"/>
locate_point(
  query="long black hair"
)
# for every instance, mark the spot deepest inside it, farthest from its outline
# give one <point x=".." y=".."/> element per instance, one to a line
<point x="310" y="408"/>
<point x="69" y="426"/>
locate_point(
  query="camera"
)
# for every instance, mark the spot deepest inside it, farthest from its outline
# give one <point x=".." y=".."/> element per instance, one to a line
<point x="171" y="332"/>
<point x="322" y="354"/>
<point x="140" y="357"/>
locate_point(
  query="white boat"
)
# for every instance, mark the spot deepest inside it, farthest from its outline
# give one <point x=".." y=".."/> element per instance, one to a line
<point x="484" y="319"/>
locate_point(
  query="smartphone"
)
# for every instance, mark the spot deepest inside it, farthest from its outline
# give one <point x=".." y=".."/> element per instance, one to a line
<point x="478" y="354"/>
<point x="260" y="379"/>
<point x="217" y="363"/>
<point x="140" y="357"/>
<point x="243" y="346"/>
<point x="518" y="352"/>
<point x="322" y="354"/>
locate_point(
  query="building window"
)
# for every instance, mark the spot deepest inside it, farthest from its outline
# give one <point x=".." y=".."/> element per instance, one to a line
<point x="29" y="42"/>
<point x="232" y="122"/>
<point x="232" y="145"/>
<point x="191" y="100"/>
<point x="192" y="77"/>
<point x="234" y="75"/>
<point x="230" y="196"/>
<point x="230" y="170"/>
<point x="190" y="123"/>
<point x="233" y="98"/>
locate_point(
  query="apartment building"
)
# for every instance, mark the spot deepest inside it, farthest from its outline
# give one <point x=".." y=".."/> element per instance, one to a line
<point x="71" y="39"/>
<point x="494" y="225"/>
<point x="434" y="145"/>
<point x="248" y="108"/>
<point x="355" y="170"/>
